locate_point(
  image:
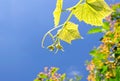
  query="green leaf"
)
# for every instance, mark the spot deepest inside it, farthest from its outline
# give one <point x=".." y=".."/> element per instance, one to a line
<point x="69" y="32"/>
<point x="98" y="63"/>
<point x="43" y="76"/>
<point x="36" y="79"/>
<point x="63" y="76"/>
<point x="57" y="12"/>
<point x="117" y="51"/>
<point x="115" y="7"/>
<point x="118" y="73"/>
<point x="94" y="51"/>
<point x="95" y="30"/>
<point x="106" y="26"/>
<point x="98" y="77"/>
<point x="96" y="54"/>
<point x="92" y="12"/>
<point x="54" y="70"/>
<point x="78" y="78"/>
<point x="104" y="69"/>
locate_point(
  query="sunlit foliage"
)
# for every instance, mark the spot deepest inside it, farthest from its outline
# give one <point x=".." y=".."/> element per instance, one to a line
<point x="90" y="11"/>
<point x="105" y="63"/>
<point x="52" y="75"/>
<point x="57" y="12"/>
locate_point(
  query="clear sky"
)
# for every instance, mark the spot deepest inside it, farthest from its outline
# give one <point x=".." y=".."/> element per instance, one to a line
<point x="22" y="26"/>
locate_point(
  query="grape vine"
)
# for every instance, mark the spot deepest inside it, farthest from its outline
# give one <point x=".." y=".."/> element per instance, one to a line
<point x="90" y="11"/>
<point x="105" y="62"/>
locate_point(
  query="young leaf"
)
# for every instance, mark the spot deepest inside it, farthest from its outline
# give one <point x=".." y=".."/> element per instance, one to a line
<point x="94" y="30"/>
<point x="92" y="12"/>
<point x="69" y="32"/>
<point x="57" y="12"/>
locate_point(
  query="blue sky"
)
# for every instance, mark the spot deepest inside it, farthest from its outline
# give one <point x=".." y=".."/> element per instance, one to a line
<point x="22" y="26"/>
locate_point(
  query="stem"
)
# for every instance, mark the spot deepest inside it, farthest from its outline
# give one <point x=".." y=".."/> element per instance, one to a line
<point x="64" y="10"/>
<point x="50" y="34"/>
<point x="43" y="39"/>
<point x="79" y="2"/>
<point x="71" y="8"/>
<point x="69" y="17"/>
<point x="56" y="51"/>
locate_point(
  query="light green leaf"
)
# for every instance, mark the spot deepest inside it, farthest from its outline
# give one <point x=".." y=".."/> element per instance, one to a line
<point x="57" y="12"/>
<point x="106" y="26"/>
<point x="78" y="78"/>
<point x="69" y="32"/>
<point x="94" y="51"/>
<point x="92" y="12"/>
<point x="96" y="54"/>
<point x="95" y="30"/>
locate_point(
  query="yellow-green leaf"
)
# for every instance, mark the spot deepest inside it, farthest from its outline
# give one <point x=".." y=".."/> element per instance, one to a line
<point x="37" y="79"/>
<point x="53" y="70"/>
<point x="57" y="12"/>
<point x="69" y="32"/>
<point x="63" y="76"/>
<point x="92" y="12"/>
<point x="95" y="30"/>
<point x="42" y="76"/>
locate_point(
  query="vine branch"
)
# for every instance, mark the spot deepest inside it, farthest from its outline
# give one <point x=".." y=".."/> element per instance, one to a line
<point x="48" y="33"/>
